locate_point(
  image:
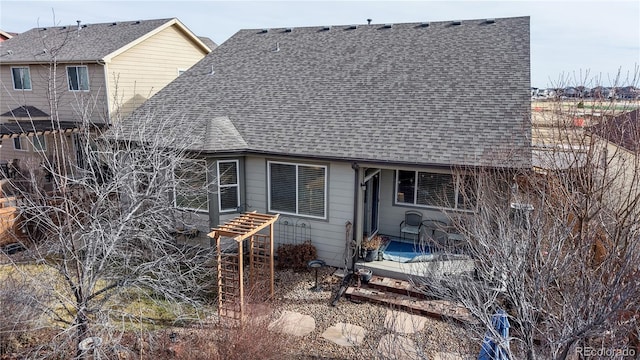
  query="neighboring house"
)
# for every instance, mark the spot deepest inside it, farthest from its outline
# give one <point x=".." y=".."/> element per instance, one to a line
<point x="101" y="73"/>
<point x="618" y="140"/>
<point x="5" y="35"/>
<point x="336" y="124"/>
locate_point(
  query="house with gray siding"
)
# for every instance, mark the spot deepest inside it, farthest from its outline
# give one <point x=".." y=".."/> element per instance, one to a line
<point x="336" y="125"/>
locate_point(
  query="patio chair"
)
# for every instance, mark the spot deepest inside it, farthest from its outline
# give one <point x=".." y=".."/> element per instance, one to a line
<point x="412" y="224"/>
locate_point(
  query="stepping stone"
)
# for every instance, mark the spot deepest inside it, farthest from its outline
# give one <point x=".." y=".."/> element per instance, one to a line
<point x="293" y="323"/>
<point x="403" y="323"/>
<point x="345" y="334"/>
<point x="398" y="347"/>
<point x="448" y="356"/>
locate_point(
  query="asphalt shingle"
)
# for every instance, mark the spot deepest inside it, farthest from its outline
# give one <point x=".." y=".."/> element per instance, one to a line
<point x="87" y="42"/>
<point x="441" y="94"/>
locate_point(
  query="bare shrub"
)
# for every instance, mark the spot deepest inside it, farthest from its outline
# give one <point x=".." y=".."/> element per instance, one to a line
<point x="19" y="314"/>
<point x="296" y="256"/>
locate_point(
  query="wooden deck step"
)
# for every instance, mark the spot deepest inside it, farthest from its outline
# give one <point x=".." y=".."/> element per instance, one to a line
<point x="401" y="287"/>
<point x="439" y="309"/>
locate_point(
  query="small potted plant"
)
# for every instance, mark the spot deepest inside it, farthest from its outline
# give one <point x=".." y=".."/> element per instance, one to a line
<point x="371" y="246"/>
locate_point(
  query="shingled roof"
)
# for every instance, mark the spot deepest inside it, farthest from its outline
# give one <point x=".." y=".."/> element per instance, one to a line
<point x="439" y="93"/>
<point x="622" y="130"/>
<point x="83" y="43"/>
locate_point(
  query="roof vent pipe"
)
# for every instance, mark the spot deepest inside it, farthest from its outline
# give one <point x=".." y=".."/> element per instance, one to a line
<point x="277" y="47"/>
<point x="78" y="21"/>
<point x="369" y="21"/>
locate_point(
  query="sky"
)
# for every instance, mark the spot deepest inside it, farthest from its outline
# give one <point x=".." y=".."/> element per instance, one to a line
<point x="572" y="42"/>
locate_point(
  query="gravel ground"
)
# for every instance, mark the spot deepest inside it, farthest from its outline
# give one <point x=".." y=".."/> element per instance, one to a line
<point x="293" y="294"/>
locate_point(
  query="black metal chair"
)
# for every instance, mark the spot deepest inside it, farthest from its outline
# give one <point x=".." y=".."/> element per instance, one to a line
<point x="412" y="224"/>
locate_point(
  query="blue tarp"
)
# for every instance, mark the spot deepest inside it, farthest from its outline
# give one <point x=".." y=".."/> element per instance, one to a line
<point x="492" y="348"/>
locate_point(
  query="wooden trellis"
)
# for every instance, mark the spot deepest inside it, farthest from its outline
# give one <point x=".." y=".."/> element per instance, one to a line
<point x="231" y="279"/>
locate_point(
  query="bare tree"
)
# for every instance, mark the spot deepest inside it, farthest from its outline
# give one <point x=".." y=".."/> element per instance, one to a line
<point x="106" y="223"/>
<point x="557" y="246"/>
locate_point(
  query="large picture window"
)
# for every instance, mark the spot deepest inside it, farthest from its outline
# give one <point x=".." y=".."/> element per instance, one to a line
<point x="440" y="190"/>
<point x="190" y="190"/>
<point x="228" y="185"/>
<point x="297" y="189"/>
<point x="78" y="77"/>
<point x="21" y="78"/>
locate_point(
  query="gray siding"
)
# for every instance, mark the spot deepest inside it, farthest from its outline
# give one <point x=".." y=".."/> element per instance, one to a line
<point x="391" y="215"/>
<point x="328" y="235"/>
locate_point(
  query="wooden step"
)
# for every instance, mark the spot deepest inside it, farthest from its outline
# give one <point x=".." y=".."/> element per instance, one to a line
<point x="401" y="287"/>
<point x="439" y="309"/>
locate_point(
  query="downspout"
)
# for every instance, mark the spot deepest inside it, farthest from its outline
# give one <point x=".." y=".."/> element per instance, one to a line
<point x="358" y="212"/>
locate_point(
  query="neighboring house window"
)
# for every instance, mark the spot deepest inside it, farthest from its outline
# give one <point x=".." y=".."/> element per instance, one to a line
<point x="78" y="78"/>
<point x="440" y="190"/>
<point x="228" y="185"/>
<point x="21" y="78"/>
<point x="297" y="189"/>
<point x="190" y="192"/>
<point x="39" y="143"/>
<point x="17" y="143"/>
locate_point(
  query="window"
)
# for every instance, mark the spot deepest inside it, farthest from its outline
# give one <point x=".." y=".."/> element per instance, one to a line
<point x="228" y="185"/>
<point x="17" y="143"/>
<point x="78" y="77"/>
<point x="190" y="191"/>
<point x="21" y="78"/>
<point x="297" y="189"/>
<point x="39" y="143"/>
<point x="439" y="190"/>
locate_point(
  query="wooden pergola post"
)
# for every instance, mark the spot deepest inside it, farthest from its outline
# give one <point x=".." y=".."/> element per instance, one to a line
<point x="231" y="267"/>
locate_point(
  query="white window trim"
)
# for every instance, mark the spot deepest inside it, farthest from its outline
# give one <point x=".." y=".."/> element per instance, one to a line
<point x="69" y="84"/>
<point x="236" y="185"/>
<point x="181" y="71"/>
<point x="13" y="80"/>
<point x="44" y="144"/>
<point x="22" y="145"/>
<point x="175" y="202"/>
<point x="456" y="180"/>
<point x="326" y="195"/>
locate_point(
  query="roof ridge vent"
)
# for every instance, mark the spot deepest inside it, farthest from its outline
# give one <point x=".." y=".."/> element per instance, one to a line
<point x="114" y="23"/>
<point x="326" y="28"/>
<point x="137" y="22"/>
<point x="388" y="26"/>
<point x="425" y="24"/>
<point x="288" y="29"/>
<point x="264" y="31"/>
<point x="456" y="22"/>
<point x="490" y="21"/>
<point x="352" y="27"/>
